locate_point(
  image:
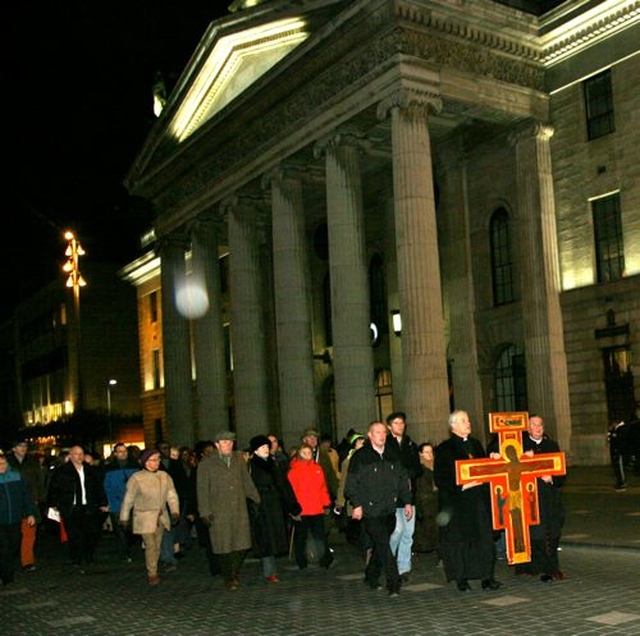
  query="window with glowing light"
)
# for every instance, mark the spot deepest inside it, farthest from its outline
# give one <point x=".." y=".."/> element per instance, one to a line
<point x="609" y="247"/>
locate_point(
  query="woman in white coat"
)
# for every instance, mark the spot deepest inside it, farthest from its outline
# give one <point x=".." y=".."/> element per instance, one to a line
<point x="153" y="497"/>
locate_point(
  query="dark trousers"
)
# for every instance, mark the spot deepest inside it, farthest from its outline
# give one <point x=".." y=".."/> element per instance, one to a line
<point x="83" y="525"/>
<point x="379" y="530"/>
<point x="10" y="536"/>
<point x="544" y="557"/>
<point x="311" y="525"/>
<point x="204" y="540"/>
<point x="123" y="535"/>
<point x="230" y="563"/>
<point x="617" y="461"/>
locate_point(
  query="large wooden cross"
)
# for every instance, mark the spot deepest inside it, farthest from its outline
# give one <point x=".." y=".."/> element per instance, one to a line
<point x="514" y="491"/>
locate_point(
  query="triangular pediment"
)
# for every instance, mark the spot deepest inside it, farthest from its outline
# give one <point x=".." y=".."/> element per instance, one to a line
<point x="234" y="63"/>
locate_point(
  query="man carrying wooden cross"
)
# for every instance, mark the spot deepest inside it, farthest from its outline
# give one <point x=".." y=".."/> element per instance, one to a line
<point x="525" y="502"/>
<point x="466" y="533"/>
<point x="545" y="537"/>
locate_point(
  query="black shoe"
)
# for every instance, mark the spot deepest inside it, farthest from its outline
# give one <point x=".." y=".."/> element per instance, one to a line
<point x="491" y="584"/>
<point x="373" y="585"/>
<point x="463" y="585"/>
<point x="546" y="578"/>
<point x="405" y="577"/>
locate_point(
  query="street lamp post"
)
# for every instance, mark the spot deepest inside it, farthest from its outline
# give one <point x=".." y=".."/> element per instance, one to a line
<point x="75" y="281"/>
<point x="110" y="384"/>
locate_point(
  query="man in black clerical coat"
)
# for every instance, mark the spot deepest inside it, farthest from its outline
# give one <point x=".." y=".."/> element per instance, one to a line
<point x="466" y="531"/>
<point x="545" y="537"/>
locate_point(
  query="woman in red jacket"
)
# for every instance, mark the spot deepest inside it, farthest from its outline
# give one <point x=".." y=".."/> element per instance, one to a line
<point x="310" y="487"/>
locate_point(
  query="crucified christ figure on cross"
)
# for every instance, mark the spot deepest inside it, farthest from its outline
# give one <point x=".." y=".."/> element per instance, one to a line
<point x="512" y="475"/>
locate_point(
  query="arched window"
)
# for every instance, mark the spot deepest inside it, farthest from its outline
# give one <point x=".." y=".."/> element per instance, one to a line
<point x="510" y="380"/>
<point x="384" y="394"/>
<point x="501" y="263"/>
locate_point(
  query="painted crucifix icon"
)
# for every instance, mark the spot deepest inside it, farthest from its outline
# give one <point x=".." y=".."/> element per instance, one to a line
<point x="512" y="477"/>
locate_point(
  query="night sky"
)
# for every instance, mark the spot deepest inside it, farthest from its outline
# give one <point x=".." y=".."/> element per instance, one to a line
<point x="79" y="108"/>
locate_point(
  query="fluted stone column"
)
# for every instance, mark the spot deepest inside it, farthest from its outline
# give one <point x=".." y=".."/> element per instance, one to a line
<point x="391" y="275"/>
<point x="212" y="404"/>
<point x="547" y="382"/>
<point x="178" y="385"/>
<point x="426" y="396"/>
<point x="292" y="304"/>
<point x="460" y="305"/>
<point x="248" y="339"/>
<point x="350" y="315"/>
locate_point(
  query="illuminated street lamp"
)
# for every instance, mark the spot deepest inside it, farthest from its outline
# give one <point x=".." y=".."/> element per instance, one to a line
<point x="73" y="252"/>
<point x="74" y="281"/>
<point x="110" y="384"/>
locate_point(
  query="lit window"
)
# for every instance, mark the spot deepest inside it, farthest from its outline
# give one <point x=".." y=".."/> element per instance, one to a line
<point x="501" y="263"/>
<point x="510" y="380"/>
<point x="607" y="227"/>
<point x="598" y="99"/>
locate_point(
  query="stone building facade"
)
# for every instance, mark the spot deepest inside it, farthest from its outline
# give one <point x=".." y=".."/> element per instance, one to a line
<point x="323" y="168"/>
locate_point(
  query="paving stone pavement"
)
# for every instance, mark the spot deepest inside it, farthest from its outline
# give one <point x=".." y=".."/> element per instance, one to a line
<point x="600" y="552"/>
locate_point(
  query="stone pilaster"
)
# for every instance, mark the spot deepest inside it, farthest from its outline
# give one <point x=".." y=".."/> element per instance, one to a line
<point x="248" y="339"/>
<point x="292" y="293"/>
<point x="178" y="385"/>
<point x="547" y="382"/>
<point x="350" y="314"/>
<point x="459" y="296"/>
<point x="426" y="396"/>
<point x="212" y="403"/>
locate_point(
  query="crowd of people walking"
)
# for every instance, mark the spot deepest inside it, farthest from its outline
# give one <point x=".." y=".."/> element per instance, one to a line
<point x="392" y="497"/>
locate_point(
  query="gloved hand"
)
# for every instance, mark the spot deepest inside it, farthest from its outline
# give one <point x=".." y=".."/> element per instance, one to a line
<point x="174" y="519"/>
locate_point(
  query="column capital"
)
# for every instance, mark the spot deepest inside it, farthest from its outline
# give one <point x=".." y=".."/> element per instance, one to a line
<point x="530" y="129"/>
<point x="205" y="222"/>
<point x="344" y="136"/>
<point x="178" y="239"/>
<point x="282" y="171"/>
<point x="245" y="206"/>
<point x="416" y="102"/>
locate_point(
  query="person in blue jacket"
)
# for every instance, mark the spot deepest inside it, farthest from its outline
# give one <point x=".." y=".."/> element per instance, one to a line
<point x="117" y="472"/>
<point x="16" y="503"/>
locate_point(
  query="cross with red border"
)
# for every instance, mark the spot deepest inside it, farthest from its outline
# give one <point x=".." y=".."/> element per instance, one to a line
<point x="512" y="477"/>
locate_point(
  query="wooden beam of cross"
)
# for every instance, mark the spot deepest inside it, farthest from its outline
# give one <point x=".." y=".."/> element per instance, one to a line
<point x="514" y="491"/>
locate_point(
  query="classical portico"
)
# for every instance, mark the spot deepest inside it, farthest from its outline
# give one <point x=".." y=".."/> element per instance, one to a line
<point x="380" y="137"/>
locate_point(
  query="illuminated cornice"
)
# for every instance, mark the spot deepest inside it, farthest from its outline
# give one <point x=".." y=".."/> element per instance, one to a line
<point x="587" y="29"/>
<point x="553" y="38"/>
<point x="236" y="62"/>
<point x="141" y="270"/>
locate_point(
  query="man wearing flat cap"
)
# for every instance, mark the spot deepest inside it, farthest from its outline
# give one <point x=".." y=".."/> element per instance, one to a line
<point x="224" y="484"/>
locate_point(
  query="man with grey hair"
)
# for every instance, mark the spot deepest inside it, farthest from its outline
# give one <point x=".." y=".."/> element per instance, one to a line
<point x="466" y="530"/>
